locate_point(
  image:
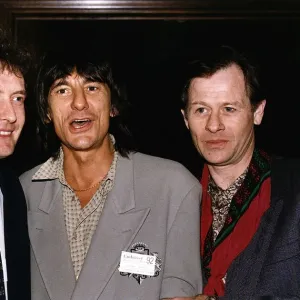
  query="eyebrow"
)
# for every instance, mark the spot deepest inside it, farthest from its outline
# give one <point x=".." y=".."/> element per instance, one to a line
<point x="23" y="92"/>
<point x="58" y="83"/>
<point x="235" y="103"/>
<point x="64" y="81"/>
<point x="197" y="102"/>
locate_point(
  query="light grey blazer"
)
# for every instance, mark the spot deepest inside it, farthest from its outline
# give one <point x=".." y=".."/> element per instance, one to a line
<point x="154" y="201"/>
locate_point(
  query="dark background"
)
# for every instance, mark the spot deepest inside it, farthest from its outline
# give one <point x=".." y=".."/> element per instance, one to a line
<point x="151" y="53"/>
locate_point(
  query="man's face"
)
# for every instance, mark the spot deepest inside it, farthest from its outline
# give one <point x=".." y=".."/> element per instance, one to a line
<point x="80" y="111"/>
<point x="12" y="112"/>
<point x="220" y="117"/>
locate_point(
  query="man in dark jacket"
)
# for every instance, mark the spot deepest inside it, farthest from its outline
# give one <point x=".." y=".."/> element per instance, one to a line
<point x="250" y="211"/>
<point x="14" y="242"/>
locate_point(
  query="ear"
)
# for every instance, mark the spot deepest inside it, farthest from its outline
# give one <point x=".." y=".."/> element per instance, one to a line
<point x="113" y="112"/>
<point x="185" y="119"/>
<point x="259" y="112"/>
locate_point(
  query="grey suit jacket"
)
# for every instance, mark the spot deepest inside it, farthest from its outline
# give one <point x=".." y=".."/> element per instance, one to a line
<point x="154" y="201"/>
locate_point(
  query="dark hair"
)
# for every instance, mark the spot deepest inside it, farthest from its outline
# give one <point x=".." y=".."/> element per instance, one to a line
<point x="14" y="59"/>
<point x="57" y="65"/>
<point x="215" y="59"/>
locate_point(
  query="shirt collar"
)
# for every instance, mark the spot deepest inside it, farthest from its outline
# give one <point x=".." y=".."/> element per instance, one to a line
<point x="53" y="168"/>
<point x="214" y="188"/>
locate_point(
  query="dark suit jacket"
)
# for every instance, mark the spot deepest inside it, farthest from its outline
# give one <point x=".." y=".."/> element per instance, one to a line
<point x="270" y="265"/>
<point x="16" y="236"/>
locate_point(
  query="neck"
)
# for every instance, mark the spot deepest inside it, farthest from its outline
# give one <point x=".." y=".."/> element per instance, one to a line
<point x="84" y="168"/>
<point x="225" y="176"/>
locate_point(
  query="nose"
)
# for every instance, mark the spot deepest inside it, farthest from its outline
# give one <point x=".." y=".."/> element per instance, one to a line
<point x="214" y="123"/>
<point x="7" y="112"/>
<point x="79" y="100"/>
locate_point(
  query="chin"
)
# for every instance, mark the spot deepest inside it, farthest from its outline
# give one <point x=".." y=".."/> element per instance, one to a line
<point x="217" y="163"/>
<point x="7" y="153"/>
<point x="80" y="147"/>
<point x="216" y="160"/>
<point x="81" y="144"/>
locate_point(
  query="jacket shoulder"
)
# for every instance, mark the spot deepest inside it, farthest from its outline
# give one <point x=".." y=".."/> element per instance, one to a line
<point x="285" y="174"/>
<point x="162" y="167"/>
<point x="26" y="177"/>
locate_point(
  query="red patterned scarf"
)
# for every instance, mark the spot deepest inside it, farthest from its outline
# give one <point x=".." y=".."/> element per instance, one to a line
<point x="246" y="209"/>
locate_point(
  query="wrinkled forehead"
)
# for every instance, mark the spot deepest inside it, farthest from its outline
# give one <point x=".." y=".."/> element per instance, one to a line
<point x="11" y="83"/>
<point x="227" y="80"/>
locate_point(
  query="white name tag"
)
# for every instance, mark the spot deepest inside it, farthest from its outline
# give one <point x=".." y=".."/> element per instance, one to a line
<point x="137" y="263"/>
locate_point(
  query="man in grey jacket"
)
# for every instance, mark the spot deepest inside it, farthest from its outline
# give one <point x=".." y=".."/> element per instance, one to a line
<point x="105" y="222"/>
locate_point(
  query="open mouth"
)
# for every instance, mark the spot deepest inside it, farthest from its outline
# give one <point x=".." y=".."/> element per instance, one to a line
<point x="79" y="123"/>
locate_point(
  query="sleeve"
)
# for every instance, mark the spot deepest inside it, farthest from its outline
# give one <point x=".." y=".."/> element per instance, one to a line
<point x="182" y="273"/>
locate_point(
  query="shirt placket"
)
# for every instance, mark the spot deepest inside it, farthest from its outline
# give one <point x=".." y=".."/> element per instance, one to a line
<point x="85" y="223"/>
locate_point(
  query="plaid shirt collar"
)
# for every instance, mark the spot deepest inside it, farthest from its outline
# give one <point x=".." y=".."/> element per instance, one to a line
<point x="53" y="168"/>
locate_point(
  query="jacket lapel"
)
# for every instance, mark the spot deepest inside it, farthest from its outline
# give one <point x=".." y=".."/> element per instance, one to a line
<point x="116" y="230"/>
<point x="251" y="261"/>
<point x="16" y="236"/>
<point x="50" y="242"/>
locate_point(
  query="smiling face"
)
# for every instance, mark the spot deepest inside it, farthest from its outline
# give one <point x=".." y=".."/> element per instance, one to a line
<point x="12" y="112"/>
<point x="80" y="110"/>
<point x="220" y="117"/>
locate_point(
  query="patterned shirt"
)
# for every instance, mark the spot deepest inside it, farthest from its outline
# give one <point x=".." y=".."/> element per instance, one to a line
<point x="80" y="222"/>
<point x="221" y="200"/>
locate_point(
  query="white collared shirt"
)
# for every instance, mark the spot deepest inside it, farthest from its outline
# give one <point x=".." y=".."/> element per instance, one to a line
<point x="2" y="243"/>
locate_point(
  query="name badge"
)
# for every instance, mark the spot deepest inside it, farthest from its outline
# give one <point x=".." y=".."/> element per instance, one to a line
<point x="137" y="263"/>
